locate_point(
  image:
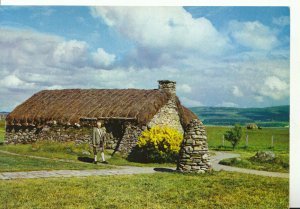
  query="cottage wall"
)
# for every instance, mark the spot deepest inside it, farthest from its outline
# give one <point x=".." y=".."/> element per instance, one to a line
<point x="120" y="136"/>
<point x="29" y="134"/>
<point x="167" y="116"/>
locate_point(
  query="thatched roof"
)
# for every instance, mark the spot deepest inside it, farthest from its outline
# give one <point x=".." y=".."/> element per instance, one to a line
<point x="69" y="105"/>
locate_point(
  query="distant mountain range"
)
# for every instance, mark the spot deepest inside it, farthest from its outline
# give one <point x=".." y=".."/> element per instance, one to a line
<point x="278" y="116"/>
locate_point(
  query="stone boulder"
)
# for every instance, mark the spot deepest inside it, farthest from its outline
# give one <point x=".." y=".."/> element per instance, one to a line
<point x="264" y="156"/>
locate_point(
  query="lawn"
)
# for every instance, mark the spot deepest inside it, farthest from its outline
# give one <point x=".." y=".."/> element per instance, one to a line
<point x="71" y="151"/>
<point x="18" y="163"/>
<point x="160" y="190"/>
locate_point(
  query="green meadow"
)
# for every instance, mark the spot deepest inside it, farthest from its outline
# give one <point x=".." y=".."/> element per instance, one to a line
<point x="258" y="139"/>
<point x="159" y="190"/>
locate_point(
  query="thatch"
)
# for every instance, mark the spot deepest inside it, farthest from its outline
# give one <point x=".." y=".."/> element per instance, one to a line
<point x="69" y="105"/>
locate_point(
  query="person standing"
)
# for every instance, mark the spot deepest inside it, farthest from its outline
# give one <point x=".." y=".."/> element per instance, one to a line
<point x="98" y="141"/>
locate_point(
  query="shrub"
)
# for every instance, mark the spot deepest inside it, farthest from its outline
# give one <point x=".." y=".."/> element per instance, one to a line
<point x="159" y="144"/>
<point x="234" y="135"/>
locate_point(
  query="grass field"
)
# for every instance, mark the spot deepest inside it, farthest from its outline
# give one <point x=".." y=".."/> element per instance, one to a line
<point x="70" y="151"/>
<point x="18" y="163"/>
<point x="160" y="190"/>
<point x="258" y="139"/>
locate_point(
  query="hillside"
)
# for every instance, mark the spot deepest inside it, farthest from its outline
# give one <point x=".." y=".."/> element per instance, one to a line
<point x="265" y="117"/>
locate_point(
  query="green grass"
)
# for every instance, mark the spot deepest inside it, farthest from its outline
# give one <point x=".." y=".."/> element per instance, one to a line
<point x="117" y="159"/>
<point x="160" y="190"/>
<point x="20" y="163"/>
<point x="71" y="151"/>
<point x="280" y="163"/>
<point x="67" y="150"/>
<point x="2" y="130"/>
<point x="258" y="139"/>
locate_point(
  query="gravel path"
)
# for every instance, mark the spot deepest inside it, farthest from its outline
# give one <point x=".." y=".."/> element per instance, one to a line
<point x="127" y="170"/>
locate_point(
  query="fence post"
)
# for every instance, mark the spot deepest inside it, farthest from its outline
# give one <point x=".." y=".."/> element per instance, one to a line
<point x="247" y="141"/>
<point x="272" y="145"/>
<point x="223" y="140"/>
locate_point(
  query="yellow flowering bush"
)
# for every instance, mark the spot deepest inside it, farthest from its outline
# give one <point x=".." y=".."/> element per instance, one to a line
<point x="159" y="144"/>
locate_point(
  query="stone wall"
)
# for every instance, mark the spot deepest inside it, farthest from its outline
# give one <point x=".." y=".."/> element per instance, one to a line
<point x="120" y="136"/>
<point x="130" y="138"/>
<point x="167" y="116"/>
<point x="30" y="134"/>
<point x="193" y="155"/>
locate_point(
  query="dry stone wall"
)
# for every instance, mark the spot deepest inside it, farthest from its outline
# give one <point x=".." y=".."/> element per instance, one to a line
<point x="26" y="135"/>
<point x="167" y="116"/>
<point x="193" y="155"/>
<point x="130" y="138"/>
<point x="119" y="140"/>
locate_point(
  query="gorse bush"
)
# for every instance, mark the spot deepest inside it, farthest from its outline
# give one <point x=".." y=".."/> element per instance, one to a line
<point x="158" y="144"/>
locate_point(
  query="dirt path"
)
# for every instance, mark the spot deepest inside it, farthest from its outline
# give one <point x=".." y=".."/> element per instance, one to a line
<point x="127" y="170"/>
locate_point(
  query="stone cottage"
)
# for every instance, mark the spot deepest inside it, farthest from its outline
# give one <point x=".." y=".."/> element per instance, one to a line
<point x="69" y="114"/>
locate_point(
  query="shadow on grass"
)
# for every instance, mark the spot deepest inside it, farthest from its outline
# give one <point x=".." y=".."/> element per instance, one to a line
<point x="86" y="159"/>
<point x="166" y="170"/>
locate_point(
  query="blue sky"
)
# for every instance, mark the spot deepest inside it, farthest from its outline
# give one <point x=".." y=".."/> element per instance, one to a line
<point x="219" y="56"/>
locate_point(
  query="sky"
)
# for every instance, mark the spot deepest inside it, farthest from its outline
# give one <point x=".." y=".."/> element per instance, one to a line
<point x="219" y="56"/>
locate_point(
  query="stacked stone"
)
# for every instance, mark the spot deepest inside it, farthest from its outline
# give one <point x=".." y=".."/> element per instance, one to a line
<point x="169" y="86"/>
<point x="129" y="139"/>
<point x="26" y="135"/>
<point x="194" y="156"/>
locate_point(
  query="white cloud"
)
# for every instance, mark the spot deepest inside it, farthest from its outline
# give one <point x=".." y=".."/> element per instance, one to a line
<point x="70" y="52"/>
<point x="178" y="48"/>
<point x="190" y="102"/>
<point x="237" y="92"/>
<point x="185" y="88"/>
<point x="13" y="82"/>
<point x="227" y="104"/>
<point x="170" y="29"/>
<point x="275" y="88"/>
<point x="281" y="21"/>
<point x="253" y="35"/>
<point x="102" y="58"/>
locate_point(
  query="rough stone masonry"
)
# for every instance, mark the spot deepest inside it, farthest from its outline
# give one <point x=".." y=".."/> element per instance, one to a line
<point x="193" y="155"/>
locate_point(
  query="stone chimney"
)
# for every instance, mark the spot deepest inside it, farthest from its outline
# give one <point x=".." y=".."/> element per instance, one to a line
<point x="168" y="86"/>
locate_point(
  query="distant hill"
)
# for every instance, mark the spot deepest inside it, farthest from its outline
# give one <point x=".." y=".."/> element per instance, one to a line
<point x="278" y="116"/>
<point x="3" y="115"/>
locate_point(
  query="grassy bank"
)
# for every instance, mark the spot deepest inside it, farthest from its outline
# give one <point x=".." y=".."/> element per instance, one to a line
<point x="160" y="190"/>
